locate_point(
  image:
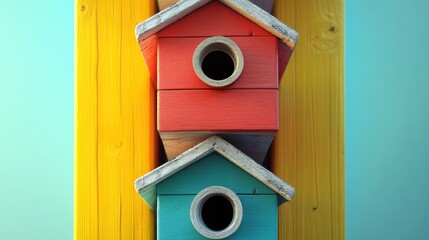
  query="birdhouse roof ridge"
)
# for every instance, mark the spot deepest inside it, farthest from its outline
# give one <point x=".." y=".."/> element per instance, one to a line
<point x="245" y="8"/>
<point x="146" y="185"/>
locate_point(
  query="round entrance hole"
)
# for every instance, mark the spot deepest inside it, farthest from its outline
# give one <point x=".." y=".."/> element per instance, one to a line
<point x="218" y="65"/>
<point x="218" y="61"/>
<point x="216" y="212"/>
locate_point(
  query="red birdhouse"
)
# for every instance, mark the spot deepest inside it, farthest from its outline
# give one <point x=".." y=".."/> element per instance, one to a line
<point x="216" y="66"/>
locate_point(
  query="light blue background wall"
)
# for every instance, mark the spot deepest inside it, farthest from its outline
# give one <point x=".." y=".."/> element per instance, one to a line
<point x="387" y="119"/>
<point x="36" y="119"/>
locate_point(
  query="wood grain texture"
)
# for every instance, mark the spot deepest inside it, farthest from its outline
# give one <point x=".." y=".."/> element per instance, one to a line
<point x="114" y="122"/>
<point x="213" y="110"/>
<point x="149" y="49"/>
<point x="255" y="145"/>
<point x="200" y="24"/>
<point x="175" y="69"/>
<point x="309" y="147"/>
<point x="259" y="218"/>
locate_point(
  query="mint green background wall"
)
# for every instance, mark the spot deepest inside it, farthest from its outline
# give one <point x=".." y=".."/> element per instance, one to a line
<point x="36" y="119"/>
<point x="387" y="119"/>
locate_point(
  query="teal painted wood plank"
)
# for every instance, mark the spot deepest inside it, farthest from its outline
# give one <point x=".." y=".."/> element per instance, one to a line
<point x="259" y="218"/>
<point x="213" y="170"/>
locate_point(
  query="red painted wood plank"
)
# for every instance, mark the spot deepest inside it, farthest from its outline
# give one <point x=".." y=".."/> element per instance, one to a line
<point x="206" y="21"/>
<point x="148" y="49"/>
<point x="214" y="110"/>
<point x="284" y="55"/>
<point x="175" y="70"/>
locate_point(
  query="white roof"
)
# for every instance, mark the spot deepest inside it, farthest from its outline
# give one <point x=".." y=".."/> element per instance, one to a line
<point x="146" y="185"/>
<point x="247" y="9"/>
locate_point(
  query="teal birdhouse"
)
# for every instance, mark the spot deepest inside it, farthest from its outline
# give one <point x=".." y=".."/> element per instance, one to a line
<point x="214" y="191"/>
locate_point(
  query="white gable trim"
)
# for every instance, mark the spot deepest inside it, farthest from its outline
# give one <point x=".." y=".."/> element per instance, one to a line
<point x="247" y="9"/>
<point x="147" y="184"/>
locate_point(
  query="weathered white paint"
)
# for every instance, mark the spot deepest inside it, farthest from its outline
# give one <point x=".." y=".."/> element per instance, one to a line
<point x="252" y="12"/>
<point x="146" y="185"/>
<point x="267" y="5"/>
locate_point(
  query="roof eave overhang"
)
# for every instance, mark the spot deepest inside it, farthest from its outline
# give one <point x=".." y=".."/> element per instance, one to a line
<point x="146" y="185"/>
<point x="247" y="9"/>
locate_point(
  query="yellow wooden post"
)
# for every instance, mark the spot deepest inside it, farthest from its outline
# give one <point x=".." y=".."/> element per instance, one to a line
<point x="309" y="148"/>
<point x="115" y="135"/>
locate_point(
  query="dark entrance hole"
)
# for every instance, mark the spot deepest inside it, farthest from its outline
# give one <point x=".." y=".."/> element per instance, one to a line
<point x="218" y="65"/>
<point x="217" y="213"/>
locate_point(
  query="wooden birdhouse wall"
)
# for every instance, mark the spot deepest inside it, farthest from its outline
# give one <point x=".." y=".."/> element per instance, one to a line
<point x="256" y="88"/>
<point x="212" y="170"/>
<point x="259" y="222"/>
<point x="175" y="70"/>
<point x="194" y="105"/>
<point x="176" y="194"/>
